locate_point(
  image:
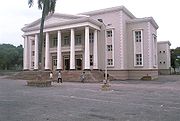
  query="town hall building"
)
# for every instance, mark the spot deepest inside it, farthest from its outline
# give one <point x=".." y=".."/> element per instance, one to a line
<point x="111" y="37"/>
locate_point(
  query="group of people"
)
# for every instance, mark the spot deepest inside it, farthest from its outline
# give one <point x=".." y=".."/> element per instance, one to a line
<point x="59" y="79"/>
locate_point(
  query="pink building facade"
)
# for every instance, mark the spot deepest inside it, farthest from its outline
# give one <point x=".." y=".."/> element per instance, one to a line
<point x="92" y="40"/>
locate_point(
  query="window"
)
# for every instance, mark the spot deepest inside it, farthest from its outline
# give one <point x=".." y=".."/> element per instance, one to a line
<point x="163" y="51"/>
<point x="160" y="62"/>
<point x="164" y="62"/>
<point x="109" y="33"/>
<point x="110" y="62"/>
<point x="138" y="59"/>
<point x="138" y="36"/>
<point x="91" y="60"/>
<point x="154" y="50"/>
<point x="78" y="39"/>
<point x="44" y="42"/>
<point x="54" y="42"/>
<point x="159" y="51"/>
<point x="109" y="47"/>
<point x="33" y="64"/>
<point x="54" y="62"/>
<point x="91" y="37"/>
<point x="33" y="42"/>
<point x="66" y="40"/>
<point x="33" y="53"/>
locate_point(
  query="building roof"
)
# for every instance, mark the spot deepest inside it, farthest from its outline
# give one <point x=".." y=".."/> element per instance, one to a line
<point x="164" y="42"/>
<point x="56" y="15"/>
<point x="62" y="19"/>
<point x="146" y="19"/>
<point x="106" y="10"/>
<point x="65" y="19"/>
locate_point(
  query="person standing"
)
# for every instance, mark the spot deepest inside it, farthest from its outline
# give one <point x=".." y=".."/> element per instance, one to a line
<point x="82" y="77"/>
<point x="51" y="75"/>
<point x="59" y="77"/>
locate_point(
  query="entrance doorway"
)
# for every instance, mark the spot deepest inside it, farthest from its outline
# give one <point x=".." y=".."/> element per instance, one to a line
<point x="78" y="63"/>
<point x="54" y="63"/>
<point x="66" y="63"/>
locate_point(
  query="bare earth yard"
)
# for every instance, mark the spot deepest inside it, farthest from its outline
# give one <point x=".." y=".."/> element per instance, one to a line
<point x="131" y="100"/>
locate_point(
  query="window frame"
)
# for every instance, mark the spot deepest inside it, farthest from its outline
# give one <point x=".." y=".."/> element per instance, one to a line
<point x="78" y="39"/>
<point x="109" y="33"/>
<point x="54" y="42"/>
<point x="138" y="35"/>
<point x="91" y="37"/>
<point x="109" y="48"/>
<point x="91" y="60"/>
<point x="110" y="62"/>
<point x="33" y="53"/>
<point x="136" y="43"/>
<point x="66" y="40"/>
<point x="138" y="60"/>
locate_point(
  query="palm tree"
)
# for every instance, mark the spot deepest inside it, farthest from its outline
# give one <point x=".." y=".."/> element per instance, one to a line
<point x="47" y="7"/>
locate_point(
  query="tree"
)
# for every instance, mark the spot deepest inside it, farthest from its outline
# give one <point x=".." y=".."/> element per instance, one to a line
<point x="47" y="7"/>
<point x="175" y="58"/>
<point x="11" y="57"/>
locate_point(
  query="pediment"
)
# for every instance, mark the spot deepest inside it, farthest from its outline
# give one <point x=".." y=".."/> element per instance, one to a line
<point x="52" y="19"/>
<point x="57" y="20"/>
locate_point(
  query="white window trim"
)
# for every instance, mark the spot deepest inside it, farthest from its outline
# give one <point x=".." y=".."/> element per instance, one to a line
<point x="109" y="34"/>
<point x="113" y="37"/>
<point x="142" y="53"/>
<point x="109" y="48"/>
<point x="91" y="37"/>
<point x="78" y="39"/>
<point x="112" y="62"/>
<point x="155" y="62"/>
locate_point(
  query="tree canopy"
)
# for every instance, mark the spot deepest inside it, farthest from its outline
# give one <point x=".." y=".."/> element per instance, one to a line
<point x="175" y="58"/>
<point x="11" y="57"/>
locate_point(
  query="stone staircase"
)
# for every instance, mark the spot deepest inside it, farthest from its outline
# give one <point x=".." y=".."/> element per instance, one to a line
<point x="93" y="76"/>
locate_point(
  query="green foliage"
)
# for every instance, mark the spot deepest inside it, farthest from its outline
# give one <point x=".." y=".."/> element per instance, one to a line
<point x="175" y="61"/>
<point x="11" y="57"/>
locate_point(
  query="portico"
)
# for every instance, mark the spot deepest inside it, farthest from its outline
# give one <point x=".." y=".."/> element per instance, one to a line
<point x="66" y="44"/>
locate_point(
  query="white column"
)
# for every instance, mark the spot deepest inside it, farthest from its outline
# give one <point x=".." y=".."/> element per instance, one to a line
<point x="72" y="51"/>
<point x="30" y="54"/>
<point x="87" y="58"/>
<point x="36" y="53"/>
<point x="47" y="63"/>
<point x="59" y="65"/>
<point x="25" y="62"/>
<point x="95" y="54"/>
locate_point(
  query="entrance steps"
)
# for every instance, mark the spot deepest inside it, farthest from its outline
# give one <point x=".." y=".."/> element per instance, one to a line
<point x="92" y="76"/>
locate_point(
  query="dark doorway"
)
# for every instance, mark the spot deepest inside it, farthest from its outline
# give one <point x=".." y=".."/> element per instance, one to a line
<point x="66" y="64"/>
<point x="78" y="64"/>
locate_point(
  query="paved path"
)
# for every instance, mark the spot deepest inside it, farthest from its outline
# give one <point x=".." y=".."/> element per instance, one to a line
<point x="131" y="100"/>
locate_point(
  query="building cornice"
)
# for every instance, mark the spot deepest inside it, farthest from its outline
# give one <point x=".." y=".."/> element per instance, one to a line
<point x="164" y="42"/>
<point x="68" y="22"/>
<point x="107" y="10"/>
<point x="146" y="19"/>
<point x="56" y="15"/>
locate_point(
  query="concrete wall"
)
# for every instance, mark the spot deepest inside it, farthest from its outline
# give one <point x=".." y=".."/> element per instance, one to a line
<point x="137" y="26"/>
<point x="114" y="20"/>
<point x="164" y="55"/>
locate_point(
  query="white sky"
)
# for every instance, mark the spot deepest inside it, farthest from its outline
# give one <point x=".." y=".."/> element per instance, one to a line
<point x="15" y="13"/>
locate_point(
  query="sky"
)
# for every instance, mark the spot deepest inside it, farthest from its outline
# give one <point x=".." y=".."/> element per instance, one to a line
<point x="16" y="13"/>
